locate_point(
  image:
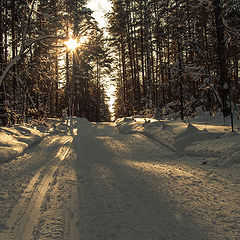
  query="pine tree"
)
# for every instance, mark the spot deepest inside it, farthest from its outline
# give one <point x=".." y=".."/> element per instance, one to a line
<point x="171" y="45"/>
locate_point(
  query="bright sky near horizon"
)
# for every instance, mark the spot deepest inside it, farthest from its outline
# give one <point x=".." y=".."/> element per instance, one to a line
<point x="100" y="8"/>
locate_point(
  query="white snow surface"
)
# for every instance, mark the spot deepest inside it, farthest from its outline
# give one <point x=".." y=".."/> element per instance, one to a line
<point x="135" y="179"/>
<point x="14" y="140"/>
<point x="197" y="137"/>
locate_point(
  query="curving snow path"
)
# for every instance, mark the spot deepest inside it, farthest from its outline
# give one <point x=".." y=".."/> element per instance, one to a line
<point x="98" y="184"/>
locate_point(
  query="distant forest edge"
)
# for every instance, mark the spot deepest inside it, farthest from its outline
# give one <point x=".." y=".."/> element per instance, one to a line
<point x="165" y="57"/>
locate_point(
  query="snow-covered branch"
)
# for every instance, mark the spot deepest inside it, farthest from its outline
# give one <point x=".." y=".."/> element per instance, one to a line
<point x="25" y="45"/>
<point x="22" y="47"/>
<point x="9" y="66"/>
<point x="26" y="28"/>
<point x="206" y="81"/>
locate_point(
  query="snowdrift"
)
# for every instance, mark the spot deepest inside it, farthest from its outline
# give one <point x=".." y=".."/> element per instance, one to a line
<point x="78" y="125"/>
<point x="76" y="121"/>
<point x="14" y="140"/>
<point x="129" y="125"/>
<point x="213" y="139"/>
<point x="193" y="134"/>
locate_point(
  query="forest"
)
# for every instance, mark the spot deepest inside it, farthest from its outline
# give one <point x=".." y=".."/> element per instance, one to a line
<point x="165" y="57"/>
<point x="40" y="76"/>
<point x="176" y="55"/>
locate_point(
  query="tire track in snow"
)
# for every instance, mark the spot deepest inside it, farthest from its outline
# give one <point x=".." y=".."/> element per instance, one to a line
<point x="26" y="213"/>
<point x="59" y="217"/>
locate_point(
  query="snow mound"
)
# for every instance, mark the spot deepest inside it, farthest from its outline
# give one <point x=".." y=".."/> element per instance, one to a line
<point x="78" y="126"/>
<point x="156" y="130"/>
<point x="7" y="140"/>
<point x="192" y="135"/>
<point x="231" y="134"/>
<point x="84" y="121"/>
<point x="128" y="125"/>
<point x="14" y="140"/>
<point x="75" y="121"/>
<point x="207" y="140"/>
<point x="154" y="125"/>
<point x="124" y="120"/>
<point x="191" y="130"/>
<point x="226" y="153"/>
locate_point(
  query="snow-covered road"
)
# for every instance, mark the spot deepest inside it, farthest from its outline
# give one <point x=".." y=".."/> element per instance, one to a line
<point x="98" y="184"/>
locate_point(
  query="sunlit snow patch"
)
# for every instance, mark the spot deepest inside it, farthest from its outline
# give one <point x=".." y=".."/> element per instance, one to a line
<point x="13" y="140"/>
<point x="211" y="139"/>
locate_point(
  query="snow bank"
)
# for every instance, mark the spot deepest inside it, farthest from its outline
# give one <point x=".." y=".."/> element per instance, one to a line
<point x="212" y="139"/>
<point x="78" y="125"/>
<point x="128" y="125"/>
<point x="13" y="140"/>
<point x="84" y="121"/>
<point x="64" y="127"/>
<point x="225" y="149"/>
<point x="193" y="134"/>
<point x="159" y="132"/>
<point x="75" y="121"/>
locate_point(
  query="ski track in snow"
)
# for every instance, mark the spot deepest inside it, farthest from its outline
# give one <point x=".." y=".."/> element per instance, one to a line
<point x="27" y="215"/>
<point x="98" y="184"/>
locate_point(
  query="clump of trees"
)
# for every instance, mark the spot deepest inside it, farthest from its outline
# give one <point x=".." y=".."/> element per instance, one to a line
<point x="168" y="52"/>
<point x="40" y="77"/>
<point x="186" y="53"/>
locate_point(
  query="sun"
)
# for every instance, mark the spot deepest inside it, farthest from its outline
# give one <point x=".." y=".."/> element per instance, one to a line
<point x="71" y="44"/>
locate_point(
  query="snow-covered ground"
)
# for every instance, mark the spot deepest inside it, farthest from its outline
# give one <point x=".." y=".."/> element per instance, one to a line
<point x="210" y="138"/>
<point x="133" y="179"/>
<point x="14" y="140"/>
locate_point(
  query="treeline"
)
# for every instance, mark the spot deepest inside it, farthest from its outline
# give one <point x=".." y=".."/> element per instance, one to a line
<point x="177" y="54"/>
<point x="40" y="77"/>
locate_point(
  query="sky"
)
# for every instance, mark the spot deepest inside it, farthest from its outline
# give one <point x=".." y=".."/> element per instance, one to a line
<point x="100" y="8"/>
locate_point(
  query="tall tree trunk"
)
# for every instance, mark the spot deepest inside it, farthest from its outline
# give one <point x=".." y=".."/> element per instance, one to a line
<point x="168" y="69"/>
<point x="137" y="71"/>
<point x="75" y="85"/>
<point x="142" y="54"/>
<point x="3" y="117"/>
<point x="14" y="51"/>
<point x="57" y="114"/>
<point x="124" y="77"/>
<point x="68" y="84"/>
<point x="51" y="99"/>
<point x="224" y="82"/>
<point x="134" y="53"/>
<point x="148" y="50"/>
<point x="181" y="95"/>
<point x="236" y="69"/>
<point x="5" y="38"/>
<point x="130" y="55"/>
<point x="1" y="33"/>
<point x="153" y="75"/>
<point x="98" y="93"/>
